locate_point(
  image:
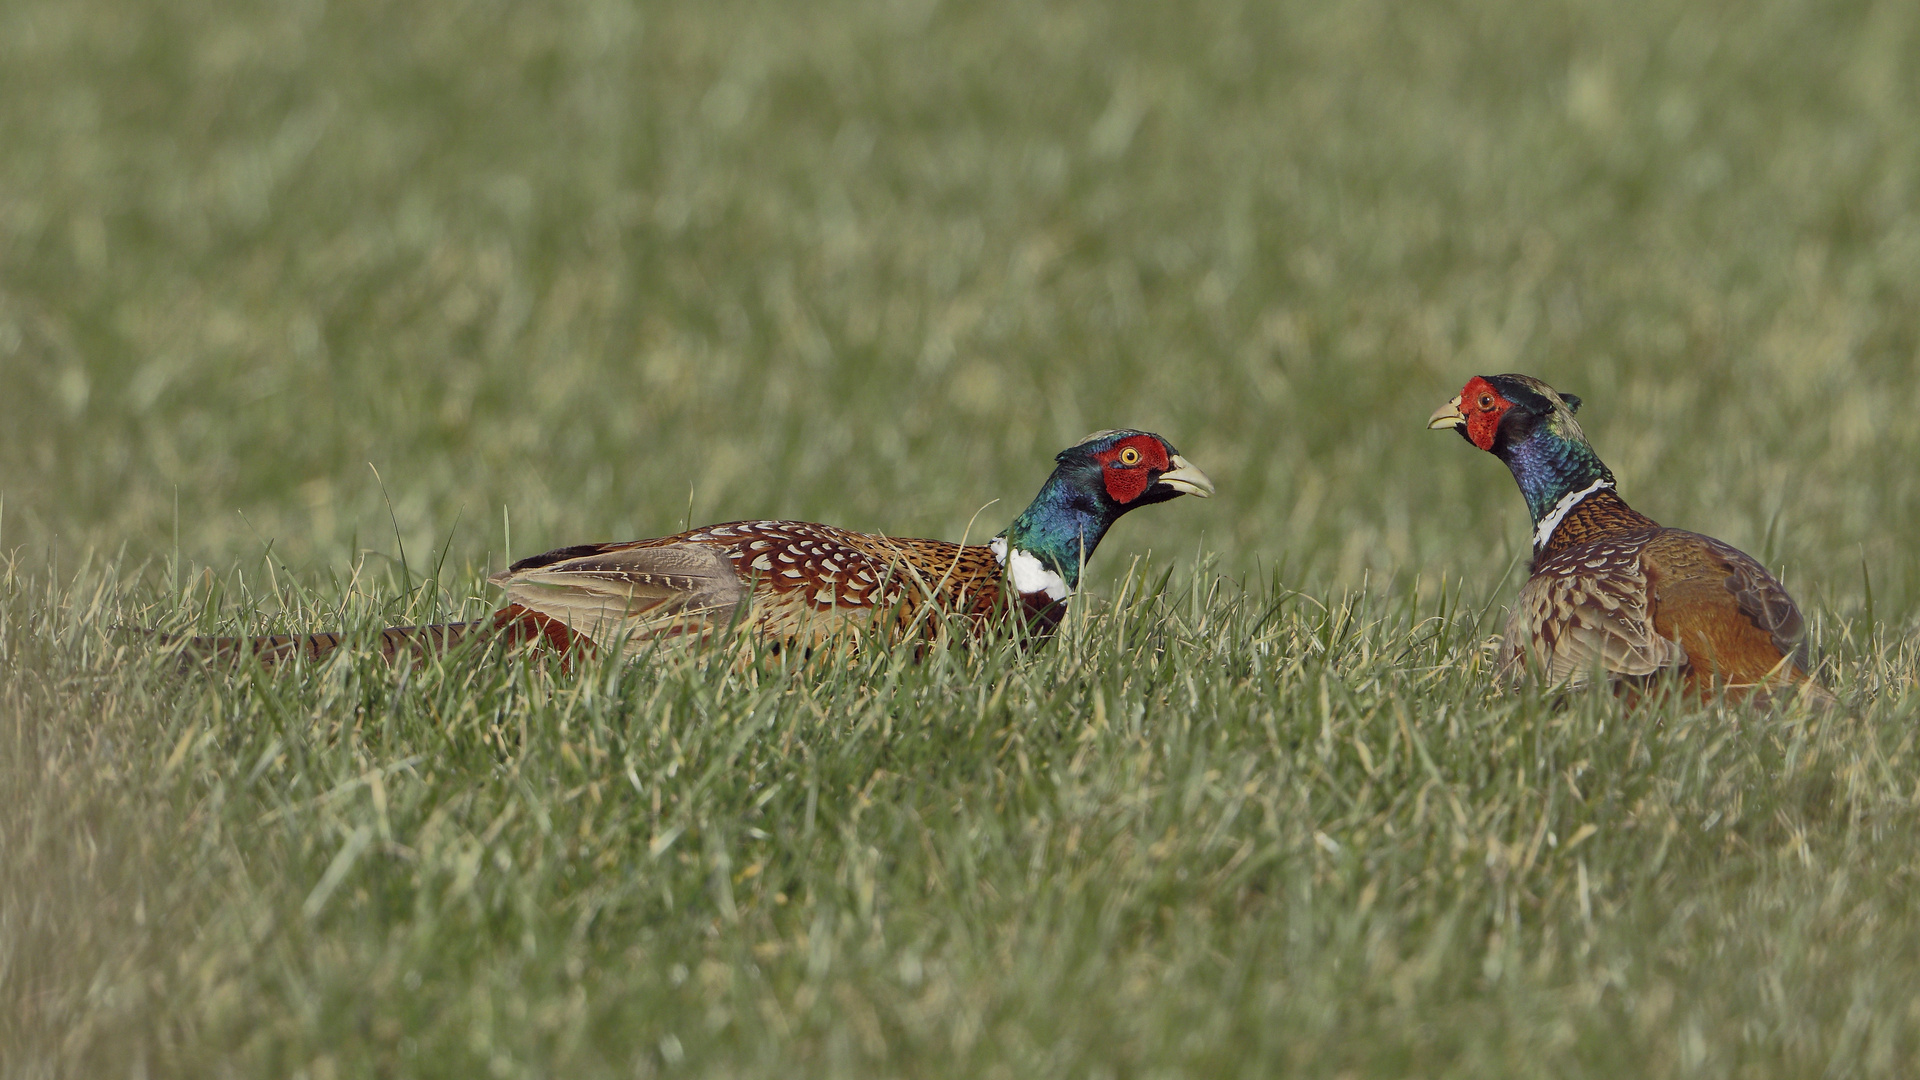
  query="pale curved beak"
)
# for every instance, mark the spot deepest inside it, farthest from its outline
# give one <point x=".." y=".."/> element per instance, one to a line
<point x="1187" y="479"/>
<point x="1447" y="416"/>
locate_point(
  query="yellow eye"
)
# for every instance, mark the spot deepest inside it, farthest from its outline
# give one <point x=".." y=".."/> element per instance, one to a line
<point x="1130" y="456"/>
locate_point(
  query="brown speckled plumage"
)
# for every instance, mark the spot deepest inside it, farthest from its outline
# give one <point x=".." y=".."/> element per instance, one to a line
<point x="796" y="583"/>
<point x="1649" y="599"/>
<point x="791" y="581"/>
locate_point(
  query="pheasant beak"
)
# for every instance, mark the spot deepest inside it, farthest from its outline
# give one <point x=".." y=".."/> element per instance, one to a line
<point x="1185" y="479"/>
<point x="1447" y="416"/>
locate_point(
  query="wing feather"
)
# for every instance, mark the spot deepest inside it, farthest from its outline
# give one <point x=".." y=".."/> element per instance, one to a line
<point x="639" y="591"/>
<point x="1762" y="599"/>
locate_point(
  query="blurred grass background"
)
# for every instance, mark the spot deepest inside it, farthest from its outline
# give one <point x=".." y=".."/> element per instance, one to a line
<point x="873" y="263"/>
<point x="877" y="262"/>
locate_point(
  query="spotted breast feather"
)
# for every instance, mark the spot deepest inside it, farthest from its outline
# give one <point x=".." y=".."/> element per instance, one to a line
<point x="1587" y="610"/>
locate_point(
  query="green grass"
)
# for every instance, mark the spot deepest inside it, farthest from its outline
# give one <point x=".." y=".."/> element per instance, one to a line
<point x="559" y="270"/>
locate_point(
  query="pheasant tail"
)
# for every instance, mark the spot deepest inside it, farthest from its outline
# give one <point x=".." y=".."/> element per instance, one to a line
<point x="512" y="625"/>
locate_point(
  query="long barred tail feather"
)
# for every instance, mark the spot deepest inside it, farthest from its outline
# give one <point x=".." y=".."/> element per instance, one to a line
<point x="513" y="626"/>
<point x="395" y="644"/>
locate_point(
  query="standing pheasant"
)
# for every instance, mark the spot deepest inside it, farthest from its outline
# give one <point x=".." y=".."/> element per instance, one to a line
<point x="801" y="584"/>
<point x="1612" y="590"/>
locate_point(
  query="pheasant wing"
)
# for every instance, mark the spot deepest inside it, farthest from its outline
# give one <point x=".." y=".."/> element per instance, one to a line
<point x="1762" y="599"/>
<point x="1739" y="625"/>
<point x="1587" y="609"/>
<point x="637" y="590"/>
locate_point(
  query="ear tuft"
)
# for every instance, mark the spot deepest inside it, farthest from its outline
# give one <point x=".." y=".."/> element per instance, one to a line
<point x="1572" y="400"/>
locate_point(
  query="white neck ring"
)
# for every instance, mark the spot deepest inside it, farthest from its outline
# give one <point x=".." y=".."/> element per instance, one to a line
<point x="1027" y="573"/>
<point x="1543" y="532"/>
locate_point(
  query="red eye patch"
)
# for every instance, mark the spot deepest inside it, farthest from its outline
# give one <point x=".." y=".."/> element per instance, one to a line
<point x="1128" y="466"/>
<point x="1483" y="407"/>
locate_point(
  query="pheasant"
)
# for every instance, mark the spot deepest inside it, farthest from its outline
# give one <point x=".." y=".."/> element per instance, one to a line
<point x="800" y="584"/>
<point x="1612" y="590"/>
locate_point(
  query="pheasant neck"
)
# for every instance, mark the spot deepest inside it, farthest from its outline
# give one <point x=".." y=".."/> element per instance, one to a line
<point x="1045" y="547"/>
<point x="1596" y="516"/>
<point x="1545" y="525"/>
<point x="1555" y="474"/>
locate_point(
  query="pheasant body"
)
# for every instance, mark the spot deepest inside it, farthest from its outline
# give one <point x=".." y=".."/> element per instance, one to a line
<point x="1612" y="591"/>
<point x="794" y="582"/>
<point x="801" y="584"/>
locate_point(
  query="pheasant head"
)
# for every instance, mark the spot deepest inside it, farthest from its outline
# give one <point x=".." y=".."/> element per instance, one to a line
<point x="1530" y="426"/>
<point x="1094" y="482"/>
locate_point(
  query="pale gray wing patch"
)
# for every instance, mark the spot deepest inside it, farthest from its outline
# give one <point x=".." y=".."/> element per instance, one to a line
<point x="1586" y="610"/>
<point x="639" y="592"/>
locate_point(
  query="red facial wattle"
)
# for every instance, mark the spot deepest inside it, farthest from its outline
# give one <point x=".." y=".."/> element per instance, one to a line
<point x="1129" y="466"/>
<point x="1483" y="407"/>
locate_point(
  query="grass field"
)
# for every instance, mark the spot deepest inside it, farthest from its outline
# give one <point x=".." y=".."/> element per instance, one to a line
<point x="313" y="313"/>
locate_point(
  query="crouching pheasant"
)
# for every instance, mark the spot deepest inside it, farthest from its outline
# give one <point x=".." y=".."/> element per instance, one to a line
<point x="795" y="583"/>
<point x="1612" y="591"/>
